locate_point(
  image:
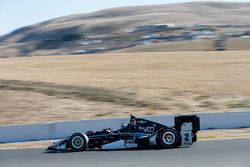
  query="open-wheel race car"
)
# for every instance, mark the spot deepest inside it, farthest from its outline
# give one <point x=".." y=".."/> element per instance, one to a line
<point x="138" y="134"/>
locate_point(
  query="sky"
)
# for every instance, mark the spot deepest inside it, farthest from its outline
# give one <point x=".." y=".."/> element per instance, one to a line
<point x="18" y="13"/>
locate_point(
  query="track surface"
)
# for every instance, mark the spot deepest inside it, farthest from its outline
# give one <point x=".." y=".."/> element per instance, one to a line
<point x="229" y="153"/>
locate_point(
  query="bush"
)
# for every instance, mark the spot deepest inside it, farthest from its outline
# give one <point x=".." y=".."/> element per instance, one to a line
<point x="71" y="37"/>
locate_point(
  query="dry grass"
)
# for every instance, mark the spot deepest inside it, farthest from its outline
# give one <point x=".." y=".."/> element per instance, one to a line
<point x="238" y="43"/>
<point x="224" y="134"/>
<point x="38" y="89"/>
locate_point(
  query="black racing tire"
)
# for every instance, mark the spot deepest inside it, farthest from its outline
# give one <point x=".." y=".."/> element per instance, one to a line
<point x="194" y="137"/>
<point x="168" y="138"/>
<point x="78" y="142"/>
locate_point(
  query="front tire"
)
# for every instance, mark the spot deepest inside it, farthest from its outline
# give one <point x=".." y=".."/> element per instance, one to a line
<point x="169" y="138"/>
<point x="78" y="142"/>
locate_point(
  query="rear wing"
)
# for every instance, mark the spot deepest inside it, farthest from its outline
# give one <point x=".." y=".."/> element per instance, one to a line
<point x="194" y="119"/>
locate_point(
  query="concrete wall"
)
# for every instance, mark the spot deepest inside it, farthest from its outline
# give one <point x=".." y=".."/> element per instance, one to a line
<point x="57" y="130"/>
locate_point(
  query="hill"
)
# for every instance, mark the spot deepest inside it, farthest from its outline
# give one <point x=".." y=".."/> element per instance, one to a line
<point x="114" y="29"/>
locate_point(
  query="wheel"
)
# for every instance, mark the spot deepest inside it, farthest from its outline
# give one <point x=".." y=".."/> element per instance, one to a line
<point x="78" y="142"/>
<point x="194" y="138"/>
<point x="169" y="138"/>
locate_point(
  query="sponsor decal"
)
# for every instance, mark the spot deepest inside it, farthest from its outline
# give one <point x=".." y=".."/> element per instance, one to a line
<point x="147" y="129"/>
<point x="129" y="141"/>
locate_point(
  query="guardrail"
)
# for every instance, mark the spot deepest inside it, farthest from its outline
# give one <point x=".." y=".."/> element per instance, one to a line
<point x="58" y="130"/>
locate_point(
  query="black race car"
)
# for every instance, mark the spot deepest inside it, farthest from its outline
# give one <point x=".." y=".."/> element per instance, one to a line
<point x="139" y="133"/>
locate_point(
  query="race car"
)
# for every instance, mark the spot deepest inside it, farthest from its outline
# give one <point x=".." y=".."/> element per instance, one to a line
<point x="139" y="133"/>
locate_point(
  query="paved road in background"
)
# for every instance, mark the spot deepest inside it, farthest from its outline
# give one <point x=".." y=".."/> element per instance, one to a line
<point x="217" y="153"/>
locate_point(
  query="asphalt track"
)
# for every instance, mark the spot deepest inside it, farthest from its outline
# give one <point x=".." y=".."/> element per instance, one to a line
<point x="220" y="153"/>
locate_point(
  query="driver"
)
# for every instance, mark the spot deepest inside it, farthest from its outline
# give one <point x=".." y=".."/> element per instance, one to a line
<point x="132" y="122"/>
<point x="131" y="125"/>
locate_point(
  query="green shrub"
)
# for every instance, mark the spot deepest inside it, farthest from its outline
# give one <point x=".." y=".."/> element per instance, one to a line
<point x="71" y="37"/>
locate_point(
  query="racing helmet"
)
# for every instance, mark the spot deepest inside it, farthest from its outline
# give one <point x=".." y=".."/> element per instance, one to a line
<point x="132" y="121"/>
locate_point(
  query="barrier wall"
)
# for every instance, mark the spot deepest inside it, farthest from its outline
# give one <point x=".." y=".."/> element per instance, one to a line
<point x="58" y="130"/>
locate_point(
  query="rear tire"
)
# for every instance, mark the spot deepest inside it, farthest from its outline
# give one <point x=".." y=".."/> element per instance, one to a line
<point x="78" y="142"/>
<point x="169" y="138"/>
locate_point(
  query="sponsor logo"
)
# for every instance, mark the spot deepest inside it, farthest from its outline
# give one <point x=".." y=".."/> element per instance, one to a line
<point x="129" y="141"/>
<point x="147" y="129"/>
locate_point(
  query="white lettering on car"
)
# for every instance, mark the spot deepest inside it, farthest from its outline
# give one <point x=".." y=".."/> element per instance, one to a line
<point x="147" y="129"/>
<point x="129" y="141"/>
